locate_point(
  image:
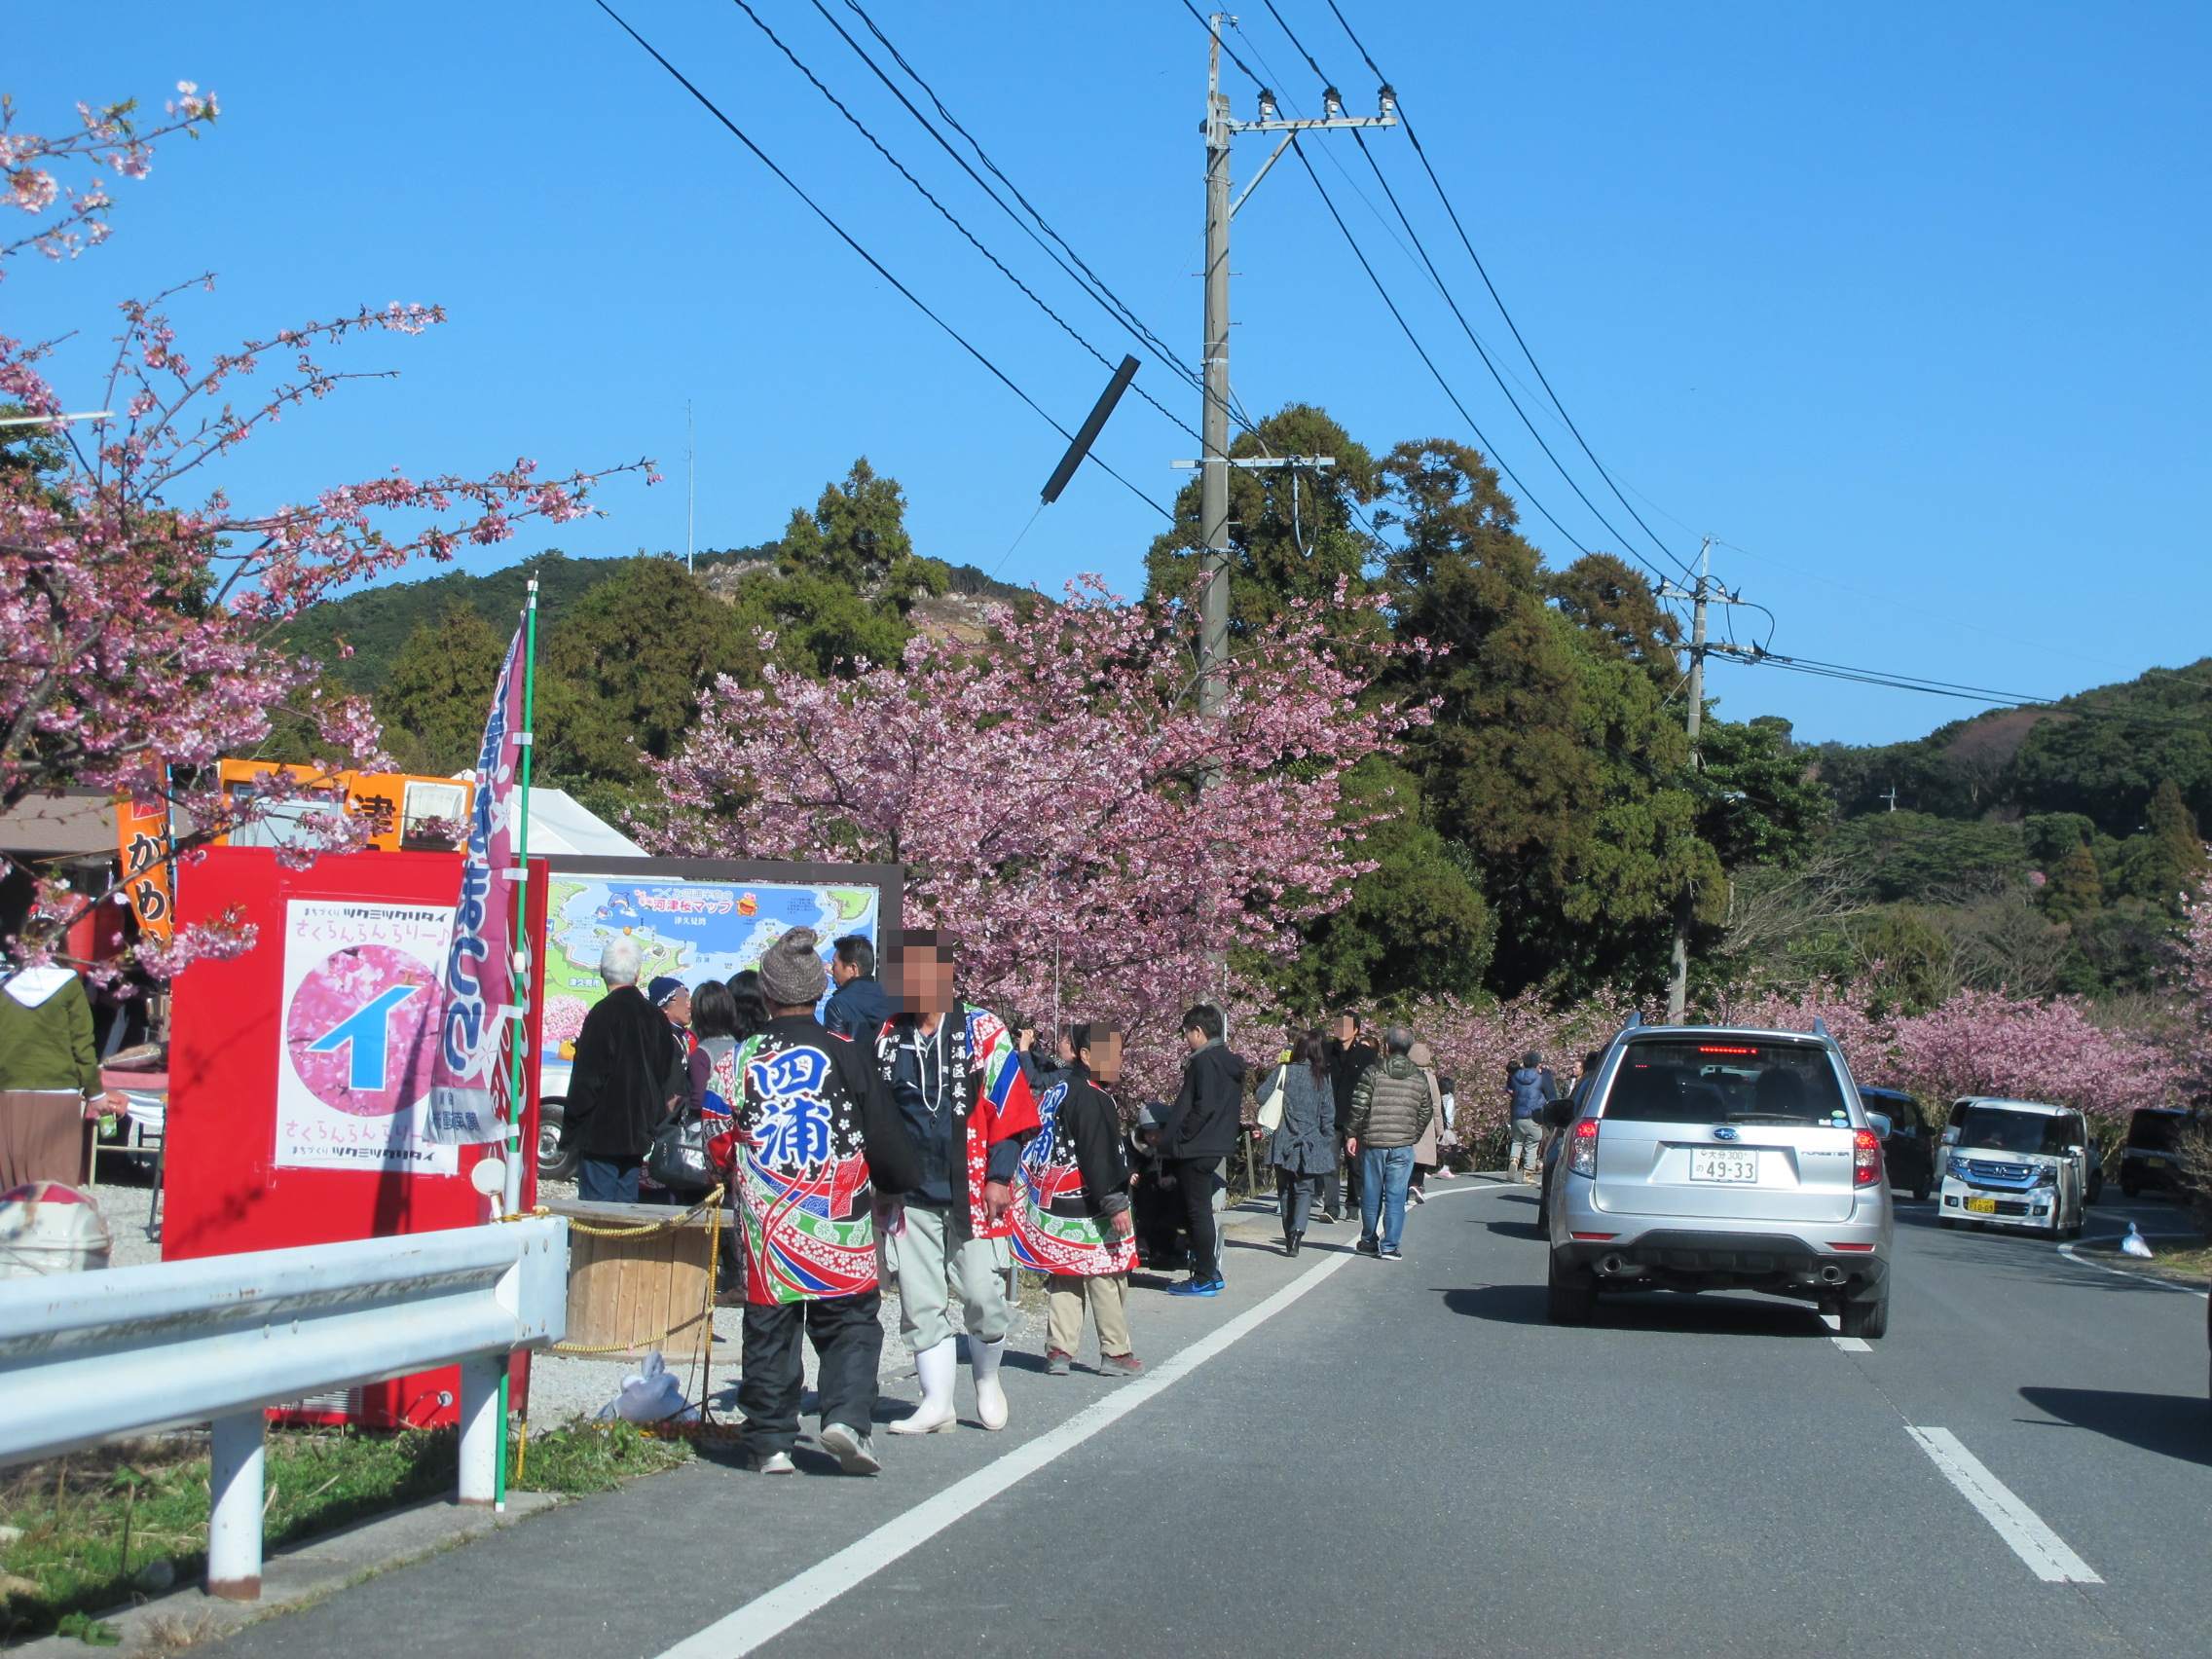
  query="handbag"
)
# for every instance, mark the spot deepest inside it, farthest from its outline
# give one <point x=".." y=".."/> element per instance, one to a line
<point x="1270" y="1103"/>
<point x="676" y="1156"/>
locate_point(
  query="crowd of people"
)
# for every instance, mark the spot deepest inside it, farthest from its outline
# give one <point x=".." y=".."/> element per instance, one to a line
<point x="905" y="1134"/>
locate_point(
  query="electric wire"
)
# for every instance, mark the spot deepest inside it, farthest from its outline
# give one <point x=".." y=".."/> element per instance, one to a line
<point x="951" y="218"/>
<point x="998" y="374"/>
<point x="1420" y="250"/>
<point x="1116" y="305"/>
<point x="1413" y="138"/>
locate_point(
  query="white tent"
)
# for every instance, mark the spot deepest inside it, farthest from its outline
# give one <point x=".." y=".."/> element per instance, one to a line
<point x="558" y="824"/>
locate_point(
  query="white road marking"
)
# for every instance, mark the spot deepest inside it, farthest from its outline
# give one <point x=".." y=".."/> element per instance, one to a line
<point x="1853" y="1344"/>
<point x="767" y="1616"/>
<point x="2020" y="1527"/>
<point x="2068" y="1251"/>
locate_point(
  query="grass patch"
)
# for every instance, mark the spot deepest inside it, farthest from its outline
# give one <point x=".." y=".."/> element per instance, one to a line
<point x="2184" y="1261"/>
<point x="103" y="1526"/>
<point x="586" y="1457"/>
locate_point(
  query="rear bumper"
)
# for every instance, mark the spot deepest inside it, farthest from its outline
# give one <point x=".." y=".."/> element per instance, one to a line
<point x="1717" y="1261"/>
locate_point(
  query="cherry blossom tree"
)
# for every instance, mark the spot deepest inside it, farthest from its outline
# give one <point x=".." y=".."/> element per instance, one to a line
<point x="140" y="608"/>
<point x="1045" y="794"/>
<point x="1991" y="1042"/>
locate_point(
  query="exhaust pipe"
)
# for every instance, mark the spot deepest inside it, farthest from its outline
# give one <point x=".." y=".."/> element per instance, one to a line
<point x="1831" y="1275"/>
<point x="1612" y="1266"/>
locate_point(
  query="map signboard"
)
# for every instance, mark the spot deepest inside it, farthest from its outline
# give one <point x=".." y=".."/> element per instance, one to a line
<point x="693" y="919"/>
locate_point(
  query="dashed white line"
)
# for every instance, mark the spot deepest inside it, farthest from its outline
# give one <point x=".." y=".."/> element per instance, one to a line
<point x="768" y="1615"/>
<point x="2043" y="1550"/>
<point x="1853" y="1344"/>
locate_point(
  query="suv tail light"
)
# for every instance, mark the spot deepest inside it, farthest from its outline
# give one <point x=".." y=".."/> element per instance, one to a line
<point x="1582" y="1148"/>
<point x="1865" y="1158"/>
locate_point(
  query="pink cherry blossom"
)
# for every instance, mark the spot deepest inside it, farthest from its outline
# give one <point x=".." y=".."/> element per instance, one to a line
<point x="141" y="610"/>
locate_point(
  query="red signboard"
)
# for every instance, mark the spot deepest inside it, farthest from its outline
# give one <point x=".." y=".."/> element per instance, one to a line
<point x="298" y="1074"/>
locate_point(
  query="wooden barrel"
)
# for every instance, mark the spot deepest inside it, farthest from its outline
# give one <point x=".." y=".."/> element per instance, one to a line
<point x="631" y="1292"/>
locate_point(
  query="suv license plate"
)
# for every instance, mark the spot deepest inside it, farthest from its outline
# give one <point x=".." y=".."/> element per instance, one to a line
<point x="1982" y="1206"/>
<point x="1717" y="1163"/>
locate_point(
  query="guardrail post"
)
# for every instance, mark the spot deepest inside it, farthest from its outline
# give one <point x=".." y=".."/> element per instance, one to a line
<point x="480" y="1425"/>
<point x="234" y="1527"/>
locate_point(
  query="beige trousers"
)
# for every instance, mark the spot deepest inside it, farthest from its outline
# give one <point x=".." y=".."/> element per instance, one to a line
<point x="1108" y="1297"/>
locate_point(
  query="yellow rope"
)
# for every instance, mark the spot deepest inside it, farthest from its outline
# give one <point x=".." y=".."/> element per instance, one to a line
<point x="711" y="1204"/>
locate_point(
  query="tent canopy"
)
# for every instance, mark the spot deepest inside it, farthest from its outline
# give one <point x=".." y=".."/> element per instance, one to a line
<point x="558" y="825"/>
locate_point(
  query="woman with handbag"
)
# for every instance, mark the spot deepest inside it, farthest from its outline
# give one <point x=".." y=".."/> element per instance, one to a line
<point x="1303" y="1150"/>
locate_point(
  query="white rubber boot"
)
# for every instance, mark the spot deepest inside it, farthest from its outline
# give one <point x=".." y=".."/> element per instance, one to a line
<point x="990" y="1398"/>
<point x="935" y="1366"/>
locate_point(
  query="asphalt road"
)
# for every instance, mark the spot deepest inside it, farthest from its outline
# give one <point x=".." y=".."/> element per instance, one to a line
<point x="1347" y="1457"/>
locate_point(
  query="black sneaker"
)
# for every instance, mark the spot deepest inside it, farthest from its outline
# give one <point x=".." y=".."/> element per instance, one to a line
<point x="1367" y="1248"/>
<point x="1391" y="1255"/>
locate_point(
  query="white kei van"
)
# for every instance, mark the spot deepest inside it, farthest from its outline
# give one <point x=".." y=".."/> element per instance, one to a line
<point x="2017" y="1164"/>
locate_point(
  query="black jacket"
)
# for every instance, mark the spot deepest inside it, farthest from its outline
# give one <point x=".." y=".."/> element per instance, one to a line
<point x="1209" y="1106"/>
<point x="626" y="1069"/>
<point x="857" y="1009"/>
<point x="1347" y="1064"/>
<point x="1092" y="1124"/>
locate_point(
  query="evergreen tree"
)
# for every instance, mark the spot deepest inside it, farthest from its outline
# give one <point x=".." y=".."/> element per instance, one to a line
<point x="434" y="703"/>
<point x="845" y="580"/>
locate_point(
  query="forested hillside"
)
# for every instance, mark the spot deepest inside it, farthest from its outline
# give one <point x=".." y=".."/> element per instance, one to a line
<point x="1532" y="837"/>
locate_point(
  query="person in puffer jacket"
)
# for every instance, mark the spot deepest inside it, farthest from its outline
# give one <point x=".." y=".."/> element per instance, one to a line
<point x="1391" y="1107"/>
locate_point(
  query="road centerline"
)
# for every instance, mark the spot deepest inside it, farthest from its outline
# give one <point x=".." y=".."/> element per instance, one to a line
<point x="2046" y="1553"/>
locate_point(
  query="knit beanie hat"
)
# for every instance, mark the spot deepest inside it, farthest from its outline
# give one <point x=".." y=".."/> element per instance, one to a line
<point x="791" y="974"/>
<point x="664" y="989"/>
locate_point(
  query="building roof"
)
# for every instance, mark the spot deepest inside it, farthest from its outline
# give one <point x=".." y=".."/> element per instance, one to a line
<point x="78" y="822"/>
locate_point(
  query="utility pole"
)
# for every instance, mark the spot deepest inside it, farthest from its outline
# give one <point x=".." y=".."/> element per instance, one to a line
<point x="1685" y="902"/>
<point x="1213" y="483"/>
<point x="690" y="485"/>
<point x="1892" y="797"/>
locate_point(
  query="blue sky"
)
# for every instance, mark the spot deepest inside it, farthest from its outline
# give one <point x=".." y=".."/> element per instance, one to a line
<point x="1905" y="304"/>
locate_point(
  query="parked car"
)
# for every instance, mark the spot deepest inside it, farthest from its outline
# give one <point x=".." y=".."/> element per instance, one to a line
<point x="553" y="1163"/>
<point x="1908" y="1141"/>
<point x="1710" y="1157"/>
<point x="2024" y="1165"/>
<point x="2151" y="1159"/>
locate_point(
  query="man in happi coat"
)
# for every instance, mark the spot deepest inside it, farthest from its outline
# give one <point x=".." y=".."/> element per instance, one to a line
<point x="813" y="1136"/>
<point x="967" y="1110"/>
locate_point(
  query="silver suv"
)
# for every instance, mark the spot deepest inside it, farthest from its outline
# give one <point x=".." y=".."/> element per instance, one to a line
<point x="1707" y="1158"/>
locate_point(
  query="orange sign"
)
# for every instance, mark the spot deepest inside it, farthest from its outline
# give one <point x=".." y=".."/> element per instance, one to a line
<point x="141" y="830"/>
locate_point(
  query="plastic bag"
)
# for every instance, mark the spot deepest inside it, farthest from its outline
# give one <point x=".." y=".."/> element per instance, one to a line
<point x="651" y="1394"/>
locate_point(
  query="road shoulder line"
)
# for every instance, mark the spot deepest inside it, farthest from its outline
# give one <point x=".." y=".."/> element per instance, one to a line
<point x="2081" y="1261"/>
<point x="2046" y="1553"/>
<point x="769" y="1615"/>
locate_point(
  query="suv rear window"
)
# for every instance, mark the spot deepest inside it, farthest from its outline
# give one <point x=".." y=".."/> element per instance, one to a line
<point x="1997" y="1129"/>
<point x="2155" y="1131"/>
<point x="1720" y="1080"/>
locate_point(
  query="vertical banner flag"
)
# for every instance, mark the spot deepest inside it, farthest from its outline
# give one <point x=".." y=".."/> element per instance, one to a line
<point x="142" y="839"/>
<point x="478" y="987"/>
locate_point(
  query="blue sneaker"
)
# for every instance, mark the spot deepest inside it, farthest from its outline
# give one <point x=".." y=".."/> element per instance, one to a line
<point x="1196" y="1287"/>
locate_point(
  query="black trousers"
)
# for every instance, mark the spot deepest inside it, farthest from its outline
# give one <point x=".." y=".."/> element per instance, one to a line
<point x="847" y="1333"/>
<point x="1194" y="1177"/>
<point x="1345" y="1188"/>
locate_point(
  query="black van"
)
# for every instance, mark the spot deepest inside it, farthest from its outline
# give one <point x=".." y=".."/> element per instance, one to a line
<point x="2152" y="1157"/>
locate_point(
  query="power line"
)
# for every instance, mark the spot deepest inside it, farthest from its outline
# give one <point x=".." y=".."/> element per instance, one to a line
<point x="951" y="218"/>
<point x="1497" y="298"/>
<point x="1116" y="305"/>
<point x="1430" y="362"/>
<point x="998" y="374"/>
<point x="1421" y="250"/>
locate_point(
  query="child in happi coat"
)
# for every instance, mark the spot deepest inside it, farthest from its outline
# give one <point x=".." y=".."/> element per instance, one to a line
<point x="1073" y="1219"/>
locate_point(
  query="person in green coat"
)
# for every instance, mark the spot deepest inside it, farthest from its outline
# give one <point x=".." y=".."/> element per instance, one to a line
<point x="49" y="1078"/>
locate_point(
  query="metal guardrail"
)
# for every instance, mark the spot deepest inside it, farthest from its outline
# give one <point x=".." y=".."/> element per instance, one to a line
<point x="97" y="1356"/>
